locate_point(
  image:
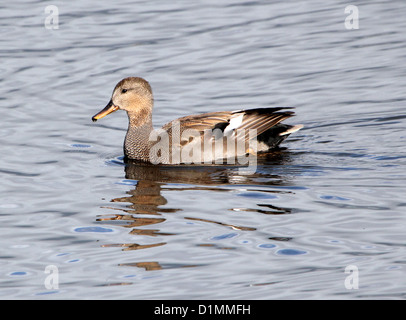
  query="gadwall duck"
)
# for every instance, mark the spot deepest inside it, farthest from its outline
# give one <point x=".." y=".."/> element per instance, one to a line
<point x="187" y="135"/>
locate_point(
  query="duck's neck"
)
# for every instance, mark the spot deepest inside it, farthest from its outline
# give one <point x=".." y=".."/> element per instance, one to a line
<point x="137" y="144"/>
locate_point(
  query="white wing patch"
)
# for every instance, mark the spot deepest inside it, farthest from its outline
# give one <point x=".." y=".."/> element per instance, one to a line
<point x="234" y="124"/>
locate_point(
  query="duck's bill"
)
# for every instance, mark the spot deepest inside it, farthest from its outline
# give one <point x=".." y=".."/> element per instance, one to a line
<point x="107" y="110"/>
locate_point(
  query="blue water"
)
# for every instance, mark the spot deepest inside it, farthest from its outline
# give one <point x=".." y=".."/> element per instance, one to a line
<point x="335" y="197"/>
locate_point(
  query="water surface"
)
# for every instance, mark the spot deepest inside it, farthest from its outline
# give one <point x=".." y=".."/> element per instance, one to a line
<point x="333" y="198"/>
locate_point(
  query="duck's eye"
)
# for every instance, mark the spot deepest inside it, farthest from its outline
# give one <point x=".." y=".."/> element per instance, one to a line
<point x="124" y="91"/>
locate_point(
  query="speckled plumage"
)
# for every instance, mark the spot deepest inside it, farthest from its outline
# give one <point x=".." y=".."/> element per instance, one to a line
<point x="136" y="143"/>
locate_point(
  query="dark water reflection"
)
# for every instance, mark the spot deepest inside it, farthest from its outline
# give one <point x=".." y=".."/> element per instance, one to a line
<point x="143" y="214"/>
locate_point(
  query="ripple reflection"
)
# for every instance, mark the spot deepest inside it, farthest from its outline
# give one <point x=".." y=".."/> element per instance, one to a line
<point x="147" y="213"/>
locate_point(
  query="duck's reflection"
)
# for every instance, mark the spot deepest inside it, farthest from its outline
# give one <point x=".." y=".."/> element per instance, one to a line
<point x="147" y="208"/>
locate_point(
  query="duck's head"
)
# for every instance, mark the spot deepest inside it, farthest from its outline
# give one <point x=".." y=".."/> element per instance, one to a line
<point x="131" y="94"/>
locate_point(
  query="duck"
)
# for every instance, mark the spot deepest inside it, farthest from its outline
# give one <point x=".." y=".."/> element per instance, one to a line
<point x="201" y="138"/>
